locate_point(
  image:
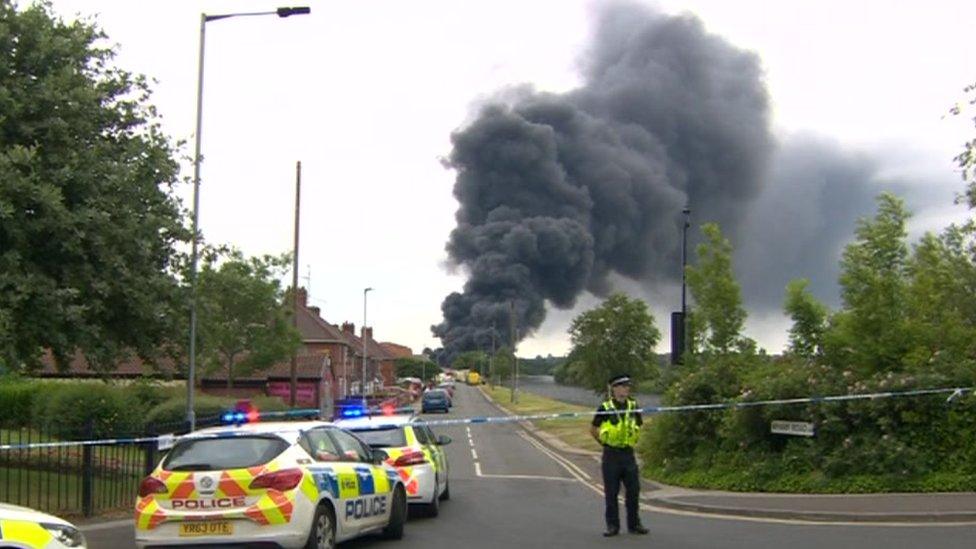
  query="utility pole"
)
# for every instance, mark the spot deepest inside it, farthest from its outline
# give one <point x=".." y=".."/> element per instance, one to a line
<point x="513" y="332"/>
<point x="363" y="384"/>
<point x="491" y="357"/>
<point x="294" y="282"/>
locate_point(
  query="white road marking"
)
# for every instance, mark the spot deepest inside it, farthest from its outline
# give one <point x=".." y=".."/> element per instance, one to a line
<point x="474" y="455"/>
<point x="470" y="443"/>
<point x="477" y="472"/>
<point x="567" y="464"/>
<point x="667" y="511"/>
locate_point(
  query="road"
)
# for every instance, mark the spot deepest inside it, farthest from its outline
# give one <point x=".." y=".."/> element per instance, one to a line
<point x="509" y="490"/>
<point x="547" y="387"/>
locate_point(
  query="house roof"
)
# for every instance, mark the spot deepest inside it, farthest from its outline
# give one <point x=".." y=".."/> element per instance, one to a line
<point x="132" y="366"/>
<point x="312" y="327"/>
<point x="396" y="350"/>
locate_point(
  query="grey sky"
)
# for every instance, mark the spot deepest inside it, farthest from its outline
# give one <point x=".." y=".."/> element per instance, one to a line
<point x="366" y="95"/>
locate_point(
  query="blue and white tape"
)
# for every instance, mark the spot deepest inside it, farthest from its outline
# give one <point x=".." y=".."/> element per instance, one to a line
<point x="953" y="392"/>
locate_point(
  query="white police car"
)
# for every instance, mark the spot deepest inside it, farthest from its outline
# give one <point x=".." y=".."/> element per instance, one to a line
<point x="413" y="449"/>
<point x="22" y="528"/>
<point x="290" y="484"/>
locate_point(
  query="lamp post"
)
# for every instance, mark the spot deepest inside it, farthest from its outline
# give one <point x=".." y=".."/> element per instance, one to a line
<point x="363" y="384"/>
<point x="684" y="269"/>
<point x="204" y="19"/>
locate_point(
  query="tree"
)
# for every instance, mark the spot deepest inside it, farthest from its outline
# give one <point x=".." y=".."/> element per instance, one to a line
<point x="809" y="319"/>
<point x="476" y="361"/>
<point x="717" y="316"/>
<point x="88" y="222"/>
<point x="872" y="331"/>
<point x="618" y="337"/>
<point x="966" y="159"/>
<point x="244" y="324"/>
<point x="420" y="368"/>
<point x="941" y="299"/>
<point x="502" y="365"/>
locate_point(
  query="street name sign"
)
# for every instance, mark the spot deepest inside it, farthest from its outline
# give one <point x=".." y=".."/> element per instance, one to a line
<point x="796" y="428"/>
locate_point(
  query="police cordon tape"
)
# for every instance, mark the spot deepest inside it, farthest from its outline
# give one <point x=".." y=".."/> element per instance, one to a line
<point x="953" y="392"/>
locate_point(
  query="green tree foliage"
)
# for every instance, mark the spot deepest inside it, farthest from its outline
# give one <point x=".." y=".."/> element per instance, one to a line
<point x="476" y="361"/>
<point x="809" y="319"/>
<point x="941" y="300"/>
<point x="718" y="315"/>
<point x="966" y="159"/>
<point x="88" y="224"/>
<point x="615" y="338"/>
<point x="908" y="322"/>
<point x="502" y="365"/>
<point x="541" y="365"/>
<point x="244" y="326"/>
<point x="871" y="333"/>
<point x="420" y="368"/>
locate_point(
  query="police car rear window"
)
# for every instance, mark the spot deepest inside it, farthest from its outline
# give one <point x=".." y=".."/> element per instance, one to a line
<point x="214" y="454"/>
<point x="391" y="437"/>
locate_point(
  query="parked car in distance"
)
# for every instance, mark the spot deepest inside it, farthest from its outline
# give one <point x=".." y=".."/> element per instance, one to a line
<point x="434" y="400"/>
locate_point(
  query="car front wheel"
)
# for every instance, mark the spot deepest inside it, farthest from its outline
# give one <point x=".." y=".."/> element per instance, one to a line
<point x="398" y="515"/>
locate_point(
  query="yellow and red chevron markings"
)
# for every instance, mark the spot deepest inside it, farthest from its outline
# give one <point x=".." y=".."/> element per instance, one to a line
<point x="271" y="507"/>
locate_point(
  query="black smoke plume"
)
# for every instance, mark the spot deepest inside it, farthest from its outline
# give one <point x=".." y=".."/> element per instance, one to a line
<point x="557" y="191"/>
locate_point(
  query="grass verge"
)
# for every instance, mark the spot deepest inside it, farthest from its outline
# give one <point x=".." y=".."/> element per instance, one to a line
<point x="573" y="431"/>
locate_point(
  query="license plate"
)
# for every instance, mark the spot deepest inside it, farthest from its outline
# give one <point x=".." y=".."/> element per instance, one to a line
<point x="194" y="529"/>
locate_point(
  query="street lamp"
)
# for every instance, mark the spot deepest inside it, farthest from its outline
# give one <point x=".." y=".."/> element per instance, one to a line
<point x="363" y="384"/>
<point x="684" y="269"/>
<point x="204" y="18"/>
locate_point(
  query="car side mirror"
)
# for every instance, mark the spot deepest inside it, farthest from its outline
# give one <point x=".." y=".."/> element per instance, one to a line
<point x="443" y="440"/>
<point x="379" y="456"/>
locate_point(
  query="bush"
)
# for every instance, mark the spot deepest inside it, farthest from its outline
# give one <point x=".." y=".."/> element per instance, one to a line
<point x="171" y="414"/>
<point x="66" y="410"/>
<point x="151" y="393"/>
<point x="17" y="401"/>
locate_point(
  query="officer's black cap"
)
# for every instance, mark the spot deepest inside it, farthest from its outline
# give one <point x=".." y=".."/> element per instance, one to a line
<point x="622" y="379"/>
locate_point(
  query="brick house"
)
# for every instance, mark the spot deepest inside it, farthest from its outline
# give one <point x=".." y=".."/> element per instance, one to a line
<point x="329" y="365"/>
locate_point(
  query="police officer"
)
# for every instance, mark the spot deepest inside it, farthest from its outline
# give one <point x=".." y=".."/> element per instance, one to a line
<point x="616" y="426"/>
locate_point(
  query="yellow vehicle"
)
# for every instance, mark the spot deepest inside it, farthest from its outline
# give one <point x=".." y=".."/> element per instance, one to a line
<point x="474" y="378"/>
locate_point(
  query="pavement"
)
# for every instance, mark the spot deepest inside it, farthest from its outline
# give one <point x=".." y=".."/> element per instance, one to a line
<point x="902" y="508"/>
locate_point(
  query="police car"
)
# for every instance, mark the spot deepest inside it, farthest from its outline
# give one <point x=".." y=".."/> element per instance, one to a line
<point x="28" y="529"/>
<point x="413" y="449"/>
<point x="287" y="484"/>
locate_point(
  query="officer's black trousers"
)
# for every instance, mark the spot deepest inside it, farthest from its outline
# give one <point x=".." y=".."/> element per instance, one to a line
<point x="619" y="465"/>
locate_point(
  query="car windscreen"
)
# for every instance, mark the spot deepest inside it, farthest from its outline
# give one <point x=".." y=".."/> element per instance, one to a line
<point x="215" y="454"/>
<point x="435" y="395"/>
<point x="390" y="437"/>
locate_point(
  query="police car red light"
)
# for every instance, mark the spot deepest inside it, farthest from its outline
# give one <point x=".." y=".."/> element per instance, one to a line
<point x="410" y="458"/>
<point x="282" y="481"/>
<point x="151" y="485"/>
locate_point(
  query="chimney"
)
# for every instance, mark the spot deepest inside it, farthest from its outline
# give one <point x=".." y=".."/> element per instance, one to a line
<point x="368" y="333"/>
<point x="303" y="297"/>
<point x="348" y="328"/>
<point x="316" y="311"/>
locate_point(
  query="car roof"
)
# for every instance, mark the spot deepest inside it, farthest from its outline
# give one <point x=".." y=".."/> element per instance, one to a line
<point x="263" y="428"/>
<point x="375" y="422"/>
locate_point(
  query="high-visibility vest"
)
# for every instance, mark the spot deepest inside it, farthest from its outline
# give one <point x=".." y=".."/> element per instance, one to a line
<point x="620" y="429"/>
